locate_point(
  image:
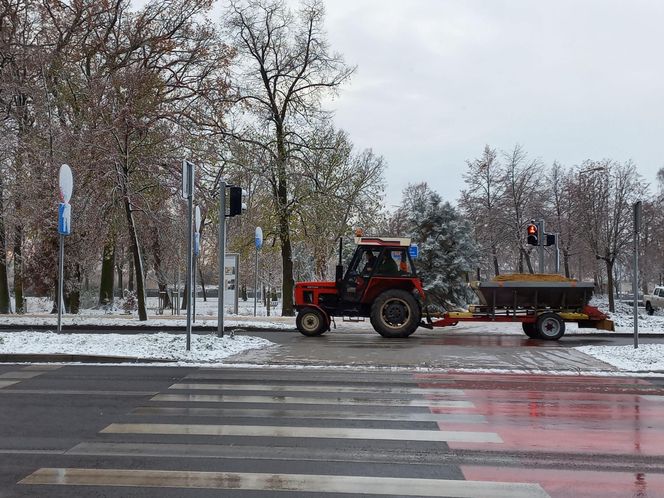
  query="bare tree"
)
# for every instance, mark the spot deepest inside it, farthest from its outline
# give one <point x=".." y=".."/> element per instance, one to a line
<point x="480" y="202"/>
<point x="522" y="200"/>
<point x="285" y="68"/>
<point x="560" y="184"/>
<point x="340" y="189"/>
<point x="604" y="194"/>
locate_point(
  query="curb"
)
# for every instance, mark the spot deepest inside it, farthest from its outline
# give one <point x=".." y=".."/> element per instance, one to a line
<point x="139" y="328"/>
<point x="78" y="358"/>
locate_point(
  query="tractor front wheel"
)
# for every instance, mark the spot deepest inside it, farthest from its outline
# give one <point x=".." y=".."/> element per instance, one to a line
<point x="311" y="322"/>
<point x="395" y="314"/>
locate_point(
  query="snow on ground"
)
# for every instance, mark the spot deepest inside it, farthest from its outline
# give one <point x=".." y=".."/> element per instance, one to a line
<point x="205" y="349"/>
<point x="623" y="317"/>
<point x="129" y="321"/>
<point x="206" y="314"/>
<point x="646" y="358"/>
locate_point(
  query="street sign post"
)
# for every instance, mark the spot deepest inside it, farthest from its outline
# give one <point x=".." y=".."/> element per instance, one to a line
<point x="66" y="182"/>
<point x="188" y="193"/>
<point x="414" y="251"/>
<point x="635" y="277"/>
<point x="222" y="257"/>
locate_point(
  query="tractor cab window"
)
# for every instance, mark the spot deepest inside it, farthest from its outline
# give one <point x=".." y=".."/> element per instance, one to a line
<point x="368" y="263"/>
<point x="387" y="266"/>
<point x="393" y="262"/>
<point x="363" y="262"/>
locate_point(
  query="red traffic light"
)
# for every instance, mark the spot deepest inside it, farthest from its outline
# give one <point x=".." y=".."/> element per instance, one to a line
<point x="533" y="233"/>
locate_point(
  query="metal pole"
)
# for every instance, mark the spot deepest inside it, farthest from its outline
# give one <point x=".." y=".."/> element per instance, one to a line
<point x="540" y="243"/>
<point x="635" y="277"/>
<point x="222" y="257"/>
<point x="193" y="300"/>
<point x="557" y="253"/>
<point x="256" y="281"/>
<point x="61" y="286"/>
<point x="190" y="237"/>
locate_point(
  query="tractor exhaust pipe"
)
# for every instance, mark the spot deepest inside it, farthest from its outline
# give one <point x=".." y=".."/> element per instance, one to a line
<point x="340" y="267"/>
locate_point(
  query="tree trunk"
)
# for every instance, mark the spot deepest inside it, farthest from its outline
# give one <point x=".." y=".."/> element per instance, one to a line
<point x="185" y="295"/>
<point x="136" y="252"/>
<point x="609" y="283"/>
<point x="287" y="282"/>
<point x="107" y="274"/>
<point x="496" y="267"/>
<point x="119" y="269"/>
<point x="5" y="304"/>
<point x="18" y="269"/>
<point x="162" y="281"/>
<point x="526" y="257"/>
<point x="566" y="262"/>
<point x="74" y="297"/>
<point x="269" y="301"/>
<point x="200" y="276"/>
<point x="287" y="275"/>
<point x="130" y="276"/>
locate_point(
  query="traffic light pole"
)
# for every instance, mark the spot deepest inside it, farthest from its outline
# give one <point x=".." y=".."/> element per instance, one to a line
<point x="190" y="237"/>
<point x="222" y="257"/>
<point x="635" y="276"/>
<point x="540" y="244"/>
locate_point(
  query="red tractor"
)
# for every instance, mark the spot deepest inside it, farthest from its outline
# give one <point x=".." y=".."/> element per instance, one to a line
<point x="380" y="283"/>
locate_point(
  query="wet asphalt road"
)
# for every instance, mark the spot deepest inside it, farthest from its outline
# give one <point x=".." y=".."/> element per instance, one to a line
<point x="468" y="348"/>
<point x="328" y="417"/>
<point x="93" y="431"/>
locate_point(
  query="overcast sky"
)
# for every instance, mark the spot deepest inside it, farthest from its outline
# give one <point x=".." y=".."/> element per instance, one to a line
<point x="439" y="79"/>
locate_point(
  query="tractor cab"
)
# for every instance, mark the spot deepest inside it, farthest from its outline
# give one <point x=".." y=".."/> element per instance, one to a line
<point x="376" y="264"/>
<point x="380" y="283"/>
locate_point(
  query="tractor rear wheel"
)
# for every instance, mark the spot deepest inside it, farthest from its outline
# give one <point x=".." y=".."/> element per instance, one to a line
<point x="395" y="314"/>
<point x="530" y="329"/>
<point x="311" y="322"/>
<point x="550" y="326"/>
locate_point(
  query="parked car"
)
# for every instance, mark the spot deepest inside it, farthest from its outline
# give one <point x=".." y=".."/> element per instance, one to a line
<point x="655" y="300"/>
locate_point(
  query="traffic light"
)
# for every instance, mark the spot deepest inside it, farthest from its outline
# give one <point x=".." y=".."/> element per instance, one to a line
<point x="236" y="206"/>
<point x="533" y="235"/>
<point x="550" y="239"/>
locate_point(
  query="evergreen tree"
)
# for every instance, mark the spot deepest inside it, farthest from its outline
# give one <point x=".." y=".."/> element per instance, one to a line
<point x="448" y="252"/>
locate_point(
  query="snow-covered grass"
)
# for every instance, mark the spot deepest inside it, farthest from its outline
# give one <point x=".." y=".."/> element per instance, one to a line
<point x="206" y="314"/>
<point x="128" y="321"/>
<point x="40" y="305"/>
<point x="646" y="358"/>
<point x="623" y="317"/>
<point x="205" y="349"/>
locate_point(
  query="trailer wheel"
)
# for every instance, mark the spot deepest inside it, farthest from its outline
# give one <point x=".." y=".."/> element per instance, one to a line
<point x="395" y="314"/>
<point x="530" y="329"/>
<point x="311" y="322"/>
<point x="550" y="326"/>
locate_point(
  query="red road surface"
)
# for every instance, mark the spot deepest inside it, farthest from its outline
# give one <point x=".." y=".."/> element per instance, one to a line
<point x="611" y="429"/>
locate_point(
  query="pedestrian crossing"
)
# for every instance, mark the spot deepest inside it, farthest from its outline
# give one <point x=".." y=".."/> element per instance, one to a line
<point x="296" y="434"/>
<point x="15" y="376"/>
